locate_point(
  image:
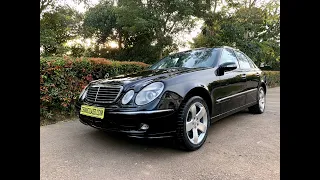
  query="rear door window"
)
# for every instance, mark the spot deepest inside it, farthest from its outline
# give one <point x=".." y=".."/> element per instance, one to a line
<point x="244" y="63"/>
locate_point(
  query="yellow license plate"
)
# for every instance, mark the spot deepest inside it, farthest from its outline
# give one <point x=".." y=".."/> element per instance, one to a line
<point x="97" y="112"/>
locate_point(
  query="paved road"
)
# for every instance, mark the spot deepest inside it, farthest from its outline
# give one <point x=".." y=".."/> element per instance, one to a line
<point x="242" y="146"/>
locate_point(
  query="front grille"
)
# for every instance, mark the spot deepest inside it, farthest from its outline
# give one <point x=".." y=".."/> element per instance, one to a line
<point x="103" y="94"/>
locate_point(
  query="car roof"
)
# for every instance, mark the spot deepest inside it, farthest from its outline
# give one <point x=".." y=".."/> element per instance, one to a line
<point x="228" y="47"/>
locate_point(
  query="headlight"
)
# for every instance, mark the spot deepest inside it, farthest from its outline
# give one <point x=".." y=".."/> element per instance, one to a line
<point x="149" y="93"/>
<point x="127" y="97"/>
<point x="83" y="93"/>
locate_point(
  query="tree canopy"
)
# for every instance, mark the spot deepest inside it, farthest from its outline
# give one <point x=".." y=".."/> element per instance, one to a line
<point x="57" y="27"/>
<point x="253" y="30"/>
<point x="145" y="30"/>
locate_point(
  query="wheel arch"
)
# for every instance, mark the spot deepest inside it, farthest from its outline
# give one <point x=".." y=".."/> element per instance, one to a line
<point x="202" y="92"/>
<point x="264" y="86"/>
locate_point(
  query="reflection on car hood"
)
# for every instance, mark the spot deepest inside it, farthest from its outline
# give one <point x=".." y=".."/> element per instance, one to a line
<point x="145" y="77"/>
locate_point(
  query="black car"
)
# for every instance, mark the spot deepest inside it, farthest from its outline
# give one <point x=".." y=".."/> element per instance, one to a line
<point x="179" y="96"/>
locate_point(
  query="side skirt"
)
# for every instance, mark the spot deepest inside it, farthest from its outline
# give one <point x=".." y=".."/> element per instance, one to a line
<point x="228" y="113"/>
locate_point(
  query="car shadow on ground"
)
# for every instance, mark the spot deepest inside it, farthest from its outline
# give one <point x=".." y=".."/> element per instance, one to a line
<point x="119" y="142"/>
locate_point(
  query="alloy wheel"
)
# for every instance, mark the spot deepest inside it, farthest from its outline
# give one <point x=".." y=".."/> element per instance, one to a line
<point x="261" y="99"/>
<point x="196" y="123"/>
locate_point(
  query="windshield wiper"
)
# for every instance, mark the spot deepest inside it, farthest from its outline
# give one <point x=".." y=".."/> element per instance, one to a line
<point x="178" y="68"/>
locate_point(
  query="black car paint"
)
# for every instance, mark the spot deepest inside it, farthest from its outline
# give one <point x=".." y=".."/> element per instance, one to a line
<point x="225" y="94"/>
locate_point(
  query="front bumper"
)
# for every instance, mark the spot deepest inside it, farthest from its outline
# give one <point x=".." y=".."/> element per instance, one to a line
<point x="161" y="122"/>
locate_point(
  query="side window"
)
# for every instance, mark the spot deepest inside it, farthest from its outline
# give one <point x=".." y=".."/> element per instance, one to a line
<point x="244" y="64"/>
<point x="251" y="62"/>
<point x="228" y="56"/>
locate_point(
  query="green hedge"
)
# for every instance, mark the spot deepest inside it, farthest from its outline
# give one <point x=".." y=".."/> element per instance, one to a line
<point x="62" y="79"/>
<point x="273" y="78"/>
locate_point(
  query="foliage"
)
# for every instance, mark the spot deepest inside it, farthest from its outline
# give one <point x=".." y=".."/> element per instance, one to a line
<point x="99" y="22"/>
<point x="273" y="78"/>
<point x="253" y="30"/>
<point x="144" y="30"/>
<point x="44" y="4"/>
<point x="77" y="50"/>
<point x="56" y="28"/>
<point x="47" y="5"/>
<point x="62" y="79"/>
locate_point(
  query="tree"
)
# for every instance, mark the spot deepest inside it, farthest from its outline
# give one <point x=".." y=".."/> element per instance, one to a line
<point x="272" y="21"/>
<point x="143" y="29"/>
<point x="99" y="22"/>
<point x="57" y="27"/>
<point x="77" y="50"/>
<point x="254" y="30"/>
<point x="44" y="4"/>
<point x="170" y="18"/>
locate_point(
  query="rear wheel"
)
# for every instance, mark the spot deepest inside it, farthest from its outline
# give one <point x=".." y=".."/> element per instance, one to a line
<point x="260" y="106"/>
<point x="193" y="122"/>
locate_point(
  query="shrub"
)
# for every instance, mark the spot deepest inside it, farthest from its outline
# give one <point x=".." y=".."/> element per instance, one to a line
<point x="63" y="78"/>
<point x="273" y="78"/>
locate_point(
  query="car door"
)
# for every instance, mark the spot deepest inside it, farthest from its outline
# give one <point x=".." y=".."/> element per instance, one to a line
<point x="249" y="71"/>
<point x="228" y="95"/>
<point x="255" y="80"/>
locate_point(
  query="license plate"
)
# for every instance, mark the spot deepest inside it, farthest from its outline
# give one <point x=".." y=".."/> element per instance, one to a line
<point x="92" y="111"/>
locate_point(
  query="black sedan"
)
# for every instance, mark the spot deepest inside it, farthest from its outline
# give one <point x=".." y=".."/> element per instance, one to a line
<point x="179" y="96"/>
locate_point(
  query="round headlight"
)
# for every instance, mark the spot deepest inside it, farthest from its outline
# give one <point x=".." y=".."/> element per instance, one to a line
<point x="127" y="97"/>
<point x="83" y="93"/>
<point x="149" y="93"/>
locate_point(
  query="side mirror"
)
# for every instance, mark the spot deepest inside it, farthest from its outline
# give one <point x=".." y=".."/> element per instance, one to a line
<point x="261" y="65"/>
<point x="227" y="66"/>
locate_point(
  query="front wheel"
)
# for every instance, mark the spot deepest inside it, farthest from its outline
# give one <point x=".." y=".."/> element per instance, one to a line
<point x="193" y="122"/>
<point x="260" y="106"/>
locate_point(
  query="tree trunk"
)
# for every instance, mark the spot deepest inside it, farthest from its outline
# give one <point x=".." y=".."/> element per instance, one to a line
<point x="160" y="54"/>
<point x="215" y="6"/>
<point x="208" y="5"/>
<point x="120" y="39"/>
<point x="252" y="4"/>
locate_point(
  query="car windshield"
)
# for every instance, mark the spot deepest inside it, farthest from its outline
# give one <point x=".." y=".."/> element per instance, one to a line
<point x="188" y="59"/>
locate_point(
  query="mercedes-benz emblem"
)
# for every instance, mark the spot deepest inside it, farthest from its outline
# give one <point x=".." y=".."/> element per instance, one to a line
<point x="106" y="76"/>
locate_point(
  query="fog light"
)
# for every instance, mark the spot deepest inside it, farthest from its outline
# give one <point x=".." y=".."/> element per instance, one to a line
<point x="144" y="126"/>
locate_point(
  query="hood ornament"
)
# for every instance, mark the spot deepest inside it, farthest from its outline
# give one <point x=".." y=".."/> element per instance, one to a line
<point x="106" y="76"/>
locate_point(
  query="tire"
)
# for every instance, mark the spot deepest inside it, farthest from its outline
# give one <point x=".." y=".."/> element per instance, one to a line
<point x="260" y="106"/>
<point x="197" y="124"/>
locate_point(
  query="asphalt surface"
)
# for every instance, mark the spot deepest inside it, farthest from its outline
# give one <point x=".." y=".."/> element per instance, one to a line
<point x="242" y="146"/>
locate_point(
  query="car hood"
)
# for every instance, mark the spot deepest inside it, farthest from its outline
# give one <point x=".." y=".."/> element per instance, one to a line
<point x="142" y="78"/>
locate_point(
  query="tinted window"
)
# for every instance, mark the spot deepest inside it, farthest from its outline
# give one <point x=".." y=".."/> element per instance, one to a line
<point x="244" y="64"/>
<point x="228" y="56"/>
<point x="188" y="59"/>
<point x="251" y="62"/>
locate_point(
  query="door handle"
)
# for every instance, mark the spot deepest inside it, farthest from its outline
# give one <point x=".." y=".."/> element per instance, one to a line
<point x="258" y="75"/>
<point x="243" y="76"/>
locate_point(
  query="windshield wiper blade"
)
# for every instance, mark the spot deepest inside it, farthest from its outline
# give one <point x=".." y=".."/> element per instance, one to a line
<point x="179" y="68"/>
